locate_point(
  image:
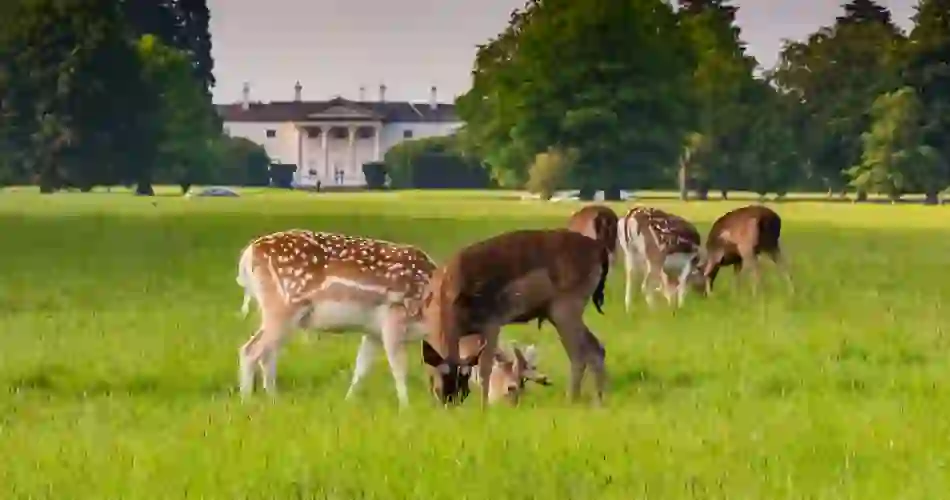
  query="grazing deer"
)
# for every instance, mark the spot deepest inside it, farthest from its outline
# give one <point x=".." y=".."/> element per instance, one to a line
<point x="516" y="277"/>
<point x="598" y="222"/>
<point x="514" y="367"/>
<point x="656" y="242"/>
<point x="738" y="237"/>
<point x="332" y="283"/>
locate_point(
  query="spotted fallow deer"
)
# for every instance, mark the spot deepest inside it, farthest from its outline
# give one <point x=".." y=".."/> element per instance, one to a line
<point x="332" y="283"/>
<point x="598" y="222"/>
<point x="654" y="243"/>
<point x="514" y="367"/>
<point x="517" y="277"/>
<point x="738" y="237"/>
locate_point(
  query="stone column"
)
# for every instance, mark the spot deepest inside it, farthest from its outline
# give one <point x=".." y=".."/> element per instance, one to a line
<point x="377" y="130"/>
<point x="325" y="144"/>
<point x="300" y="162"/>
<point x="352" y="129"/>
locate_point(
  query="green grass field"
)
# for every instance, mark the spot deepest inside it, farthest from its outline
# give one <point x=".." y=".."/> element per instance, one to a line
<point x="120" y="331"/>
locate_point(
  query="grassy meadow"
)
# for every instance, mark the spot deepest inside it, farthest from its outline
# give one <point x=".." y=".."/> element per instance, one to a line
<point x="120" y="329"/>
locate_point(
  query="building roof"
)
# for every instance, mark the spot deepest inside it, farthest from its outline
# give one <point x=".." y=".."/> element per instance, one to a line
<point x="337" y="109"/>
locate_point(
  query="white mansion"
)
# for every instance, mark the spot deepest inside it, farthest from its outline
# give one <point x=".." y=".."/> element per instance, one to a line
<point x="329" y="141"/>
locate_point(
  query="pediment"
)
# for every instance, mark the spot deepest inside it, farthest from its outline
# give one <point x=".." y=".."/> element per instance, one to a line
<point x="343" y="111"/>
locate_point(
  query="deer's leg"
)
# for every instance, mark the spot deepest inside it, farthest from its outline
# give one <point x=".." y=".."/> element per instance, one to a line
<point x="364" y="359"/>
<point x="751" y="263"/>
<point x="631" y="267"/>
<point x="781" y="261"/>
<point x="737" y="269"/>
<point x="268" y="366"/>
<point x="486" y="360"/>
<point x="595" y="355"/>
<point x="710" y="273"/>
<point x="645" y="287"/>
<point x="663" y="281"/>
<point x="567" y="319"/>
<point x="246" y="364"/>
<point x="681" y="287"/>
<point x="263" y="349"/>
<point x="669" y="289"/>
<point x="394" y="342"/>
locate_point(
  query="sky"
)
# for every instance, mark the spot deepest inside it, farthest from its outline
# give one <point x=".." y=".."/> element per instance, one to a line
<point x="333" y="47"/>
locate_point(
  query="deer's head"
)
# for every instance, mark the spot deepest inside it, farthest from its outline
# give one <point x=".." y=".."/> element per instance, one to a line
<point x="450" y="384"/>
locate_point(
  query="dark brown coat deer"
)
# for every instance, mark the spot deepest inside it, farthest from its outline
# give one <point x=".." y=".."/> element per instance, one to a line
<point x="738" y="237"/>
<point x="598" y="222"/>
<point x="516" y="277"/>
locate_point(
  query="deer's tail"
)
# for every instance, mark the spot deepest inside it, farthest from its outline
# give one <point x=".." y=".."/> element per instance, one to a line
<point x="598" y="296"/>
<point x="246" y="280"/>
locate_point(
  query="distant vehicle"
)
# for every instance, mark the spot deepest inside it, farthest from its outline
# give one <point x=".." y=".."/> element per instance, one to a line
<point x="216" y="191"/>
<point x="574" y="195"/>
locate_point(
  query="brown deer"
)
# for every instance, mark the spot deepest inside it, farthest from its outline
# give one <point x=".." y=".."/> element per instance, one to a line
<point x="516" y="277"/>
<point x="738" y="237"/>
<point x="514" y="367"/>
<point x="598" y="222"/>
<point x="332" y="283"/>
<point x="655" y="242"/>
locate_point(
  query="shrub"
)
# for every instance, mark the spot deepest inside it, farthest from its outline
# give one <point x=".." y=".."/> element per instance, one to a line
<point x="549" y="172"/>
<point x="375" y="174"/>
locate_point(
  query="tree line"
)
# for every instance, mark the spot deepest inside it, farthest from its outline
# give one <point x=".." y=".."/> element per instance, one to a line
<point x="107" y="92"/>
<point x="611" y="94"/>
<point x="603" y="94"/>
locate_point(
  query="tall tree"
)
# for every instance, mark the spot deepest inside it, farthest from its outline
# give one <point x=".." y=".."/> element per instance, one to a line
<point x="490" y="132"/>
<point x="608" y="79"/>
<point x="722" y="81"/>
<point x="928" y="73"/>
<point x="864" y="11"/>
<point x="836" y="75"/>
<point x="180" y="24"/>
<point x="895" y="159"/>
<point x="188" y="122"/>
<point x="195" y="37"/>
<point x="75" y="104"/>
<point x="769" y="161"/>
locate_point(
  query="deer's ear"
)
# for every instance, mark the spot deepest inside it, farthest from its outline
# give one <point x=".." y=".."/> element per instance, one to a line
<point x="499" y="357"/>
<point x="473" y="359"/>
<point x="431" y="357"/>
<point x="520" y="357"/>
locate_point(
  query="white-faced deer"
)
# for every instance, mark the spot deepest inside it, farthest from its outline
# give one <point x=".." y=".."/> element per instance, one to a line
<point x="517" y="277"/>
<point x="514" y="367"/>
<point x="332" y="283"/>
<point x="654" y="243"/>
<point x="598" y="222"/>
<point x="738" y="237"/>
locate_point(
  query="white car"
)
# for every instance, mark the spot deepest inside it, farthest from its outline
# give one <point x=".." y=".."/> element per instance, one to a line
<point x="215" y="191"/>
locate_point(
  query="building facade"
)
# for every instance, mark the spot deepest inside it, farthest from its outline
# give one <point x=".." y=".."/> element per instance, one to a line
<point x="329" y="141"/>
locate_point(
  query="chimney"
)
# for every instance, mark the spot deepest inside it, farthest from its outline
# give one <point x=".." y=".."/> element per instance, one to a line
<point x="246" y="96"/>
<point x="362" y="93"/>
<point x="298" y="92"/>
<point x="382" y="92"/>
<point x="433" y="98"/>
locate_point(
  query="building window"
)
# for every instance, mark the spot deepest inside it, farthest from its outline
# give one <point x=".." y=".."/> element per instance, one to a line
<point x="271" y="133"/>
<point x="407" y="134"/>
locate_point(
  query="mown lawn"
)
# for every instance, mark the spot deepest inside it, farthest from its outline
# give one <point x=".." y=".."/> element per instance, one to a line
<point x="120" y="328"/>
